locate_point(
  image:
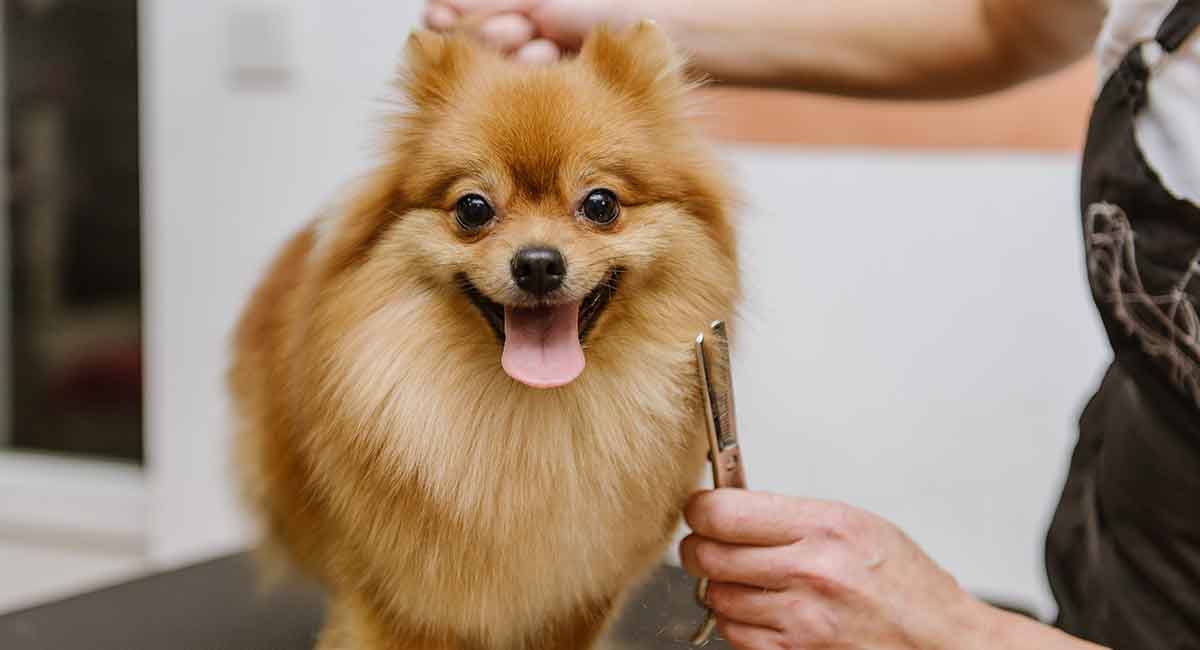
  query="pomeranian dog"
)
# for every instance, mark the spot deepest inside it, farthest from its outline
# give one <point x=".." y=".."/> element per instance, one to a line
<point x="467" y="394"/>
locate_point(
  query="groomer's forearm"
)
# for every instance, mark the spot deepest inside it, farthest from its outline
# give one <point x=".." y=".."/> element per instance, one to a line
<point x="878" y="48"/>
<point x="1003" y="630"/>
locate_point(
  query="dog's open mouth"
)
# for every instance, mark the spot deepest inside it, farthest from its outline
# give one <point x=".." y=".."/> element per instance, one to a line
<point x="543" y="344"/>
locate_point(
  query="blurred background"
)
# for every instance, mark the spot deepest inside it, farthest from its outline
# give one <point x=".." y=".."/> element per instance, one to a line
<point x="917" y="337"/>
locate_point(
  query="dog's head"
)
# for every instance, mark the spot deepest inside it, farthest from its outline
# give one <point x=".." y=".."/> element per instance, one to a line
<point x="553" y="207"/>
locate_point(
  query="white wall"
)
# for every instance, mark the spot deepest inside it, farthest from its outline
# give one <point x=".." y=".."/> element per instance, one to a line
<point x="67" y="525"/>
<point x="917" y="338"/>
<point x="228" y="173"/>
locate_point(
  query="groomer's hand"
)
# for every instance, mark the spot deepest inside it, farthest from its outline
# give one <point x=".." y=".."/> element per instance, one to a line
<point x="794" y="573"/>
<point x="536" y="31"/>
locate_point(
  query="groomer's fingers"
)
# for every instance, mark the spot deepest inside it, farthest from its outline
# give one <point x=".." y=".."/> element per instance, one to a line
<point x="744" y="517"/>
<point x="491" y="6"/>
<point x="444" y="15"/>
<point x="538" y="52"/>
<point x="750" y="637"/>
<point x="749" y="605"/>
<point x="440" y="17"/>
<point x="505" y="32"/>
<point x="755" y="566"/>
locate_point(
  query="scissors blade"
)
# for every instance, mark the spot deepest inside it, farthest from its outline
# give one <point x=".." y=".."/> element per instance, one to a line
<point x="716" y="377"/>
<point x="716" y="382"/>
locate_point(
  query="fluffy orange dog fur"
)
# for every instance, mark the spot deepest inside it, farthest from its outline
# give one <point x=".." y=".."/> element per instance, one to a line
<point x="443" y="504"/>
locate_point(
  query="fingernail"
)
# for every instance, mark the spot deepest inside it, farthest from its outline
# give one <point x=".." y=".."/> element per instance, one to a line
<point x="538" y="52"/>
<point x="440" y="17"/>
<point x="506" y="31"/>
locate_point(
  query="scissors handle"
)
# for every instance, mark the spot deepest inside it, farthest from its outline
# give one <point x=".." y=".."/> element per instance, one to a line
<point x="727" y="469"/>
<point x="704" y="634"/>
<point x="727" y="472"/>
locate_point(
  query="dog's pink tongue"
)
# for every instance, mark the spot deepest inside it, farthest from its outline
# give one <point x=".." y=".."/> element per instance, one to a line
<point x="541" y="346"/>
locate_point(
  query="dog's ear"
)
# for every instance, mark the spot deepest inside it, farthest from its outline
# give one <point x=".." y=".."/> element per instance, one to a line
<point x="349" y="226"/>
<point x="640" y="60"/>
<point x="433" y="66"/>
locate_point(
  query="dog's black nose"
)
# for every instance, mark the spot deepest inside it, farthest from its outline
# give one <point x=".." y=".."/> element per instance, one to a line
<point x="539" y="270"/>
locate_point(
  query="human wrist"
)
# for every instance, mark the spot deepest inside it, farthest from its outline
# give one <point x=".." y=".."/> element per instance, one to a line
<point x="963" y="624"/>
<point x="997" y="629"/>
<point x="967" y="623"/>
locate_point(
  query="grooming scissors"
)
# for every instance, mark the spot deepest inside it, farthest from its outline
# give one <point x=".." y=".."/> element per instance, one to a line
<point x="716" y="384"/>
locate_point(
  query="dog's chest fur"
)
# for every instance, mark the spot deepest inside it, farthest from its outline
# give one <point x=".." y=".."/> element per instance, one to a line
<point x="464" y="494"/>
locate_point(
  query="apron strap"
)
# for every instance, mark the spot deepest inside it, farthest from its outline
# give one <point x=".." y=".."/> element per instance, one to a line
<point x="1178" y="25"/>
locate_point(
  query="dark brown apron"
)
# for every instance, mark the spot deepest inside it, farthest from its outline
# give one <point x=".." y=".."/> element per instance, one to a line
<point x="1123" y="552"/>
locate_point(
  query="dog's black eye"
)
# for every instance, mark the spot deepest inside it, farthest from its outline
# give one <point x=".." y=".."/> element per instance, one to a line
<point x="601" y="206"/>
<point x="473" y="212"/>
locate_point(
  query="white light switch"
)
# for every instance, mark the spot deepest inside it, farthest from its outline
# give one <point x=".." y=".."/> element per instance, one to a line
<point x="261" y="46"/>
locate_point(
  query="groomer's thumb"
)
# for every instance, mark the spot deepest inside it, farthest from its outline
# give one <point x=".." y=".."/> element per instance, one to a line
<point x="445" y="14"/>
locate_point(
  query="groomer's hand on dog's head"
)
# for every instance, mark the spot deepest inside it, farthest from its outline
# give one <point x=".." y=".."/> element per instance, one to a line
<point x="531" y="31"/>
